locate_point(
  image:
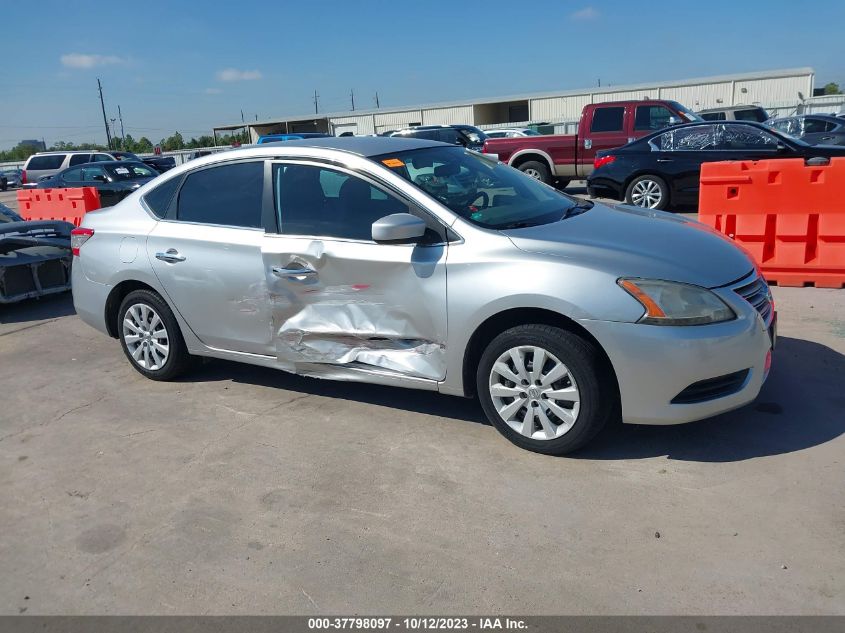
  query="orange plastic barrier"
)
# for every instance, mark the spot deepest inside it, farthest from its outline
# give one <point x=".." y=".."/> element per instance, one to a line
<point x="789" y="215"/>
<point x="69" y="205"/>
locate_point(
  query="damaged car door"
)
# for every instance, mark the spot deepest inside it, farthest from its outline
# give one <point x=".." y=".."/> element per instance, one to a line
<point x="340" y="300"/>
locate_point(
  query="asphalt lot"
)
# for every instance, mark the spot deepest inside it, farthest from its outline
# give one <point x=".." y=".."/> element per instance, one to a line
<point x="246" y="490"/>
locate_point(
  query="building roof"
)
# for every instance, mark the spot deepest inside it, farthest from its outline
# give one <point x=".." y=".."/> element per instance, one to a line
<point x="766" y="74"/>
<point x="362" y="145"/>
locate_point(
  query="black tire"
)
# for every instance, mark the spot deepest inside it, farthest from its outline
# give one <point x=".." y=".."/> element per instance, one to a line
<point x="536" y="167"/>
<point x="657" y="180"/>
<point x="588" y="368"/>
<point x="562" y="183"/>
<point x="178" y="360"/>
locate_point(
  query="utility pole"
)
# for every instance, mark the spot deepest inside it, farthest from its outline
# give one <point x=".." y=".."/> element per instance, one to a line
<point x="114" y="133"/>
<point x="122" y="134"/>
<point x="244" y="122"/>
<point x="103" y="106"/>
<point x="352" y="96"/>
<point x="377" y="106"/>
<point x="316" y="103"/>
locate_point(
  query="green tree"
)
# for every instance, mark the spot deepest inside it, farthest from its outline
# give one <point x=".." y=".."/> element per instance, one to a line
<point x="832" y="88"/>
<point x="173" y="142"/>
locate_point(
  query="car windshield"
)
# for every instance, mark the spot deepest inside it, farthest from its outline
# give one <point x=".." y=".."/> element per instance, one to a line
<point x="484" y="192"/>
<point x="530" y="132"/>
<point x="474" y="134"/>
<point x="131" y="171"/>
<point x="689" y="114"/>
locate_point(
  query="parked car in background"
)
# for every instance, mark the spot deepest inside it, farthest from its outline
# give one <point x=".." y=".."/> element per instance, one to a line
<point x="560" y="312"/>
<point x="815" y="129"/>
<point x="467" y="136"/>
<point x="664" y="169"/>
<point x="160" y="163"/>
<point x="114" y="180"/>
<point x="46" y="164"/>
<point x="4" y="182"/>
<point x="295" y="136"/>
<point x="13" y="177"/>
<point x="511" y="132"/>
<point x="735" y="113"/>
<point x="558" y="158"/>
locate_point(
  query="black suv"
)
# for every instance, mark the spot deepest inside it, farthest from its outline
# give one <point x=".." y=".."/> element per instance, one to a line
<point x="467" y="135"/>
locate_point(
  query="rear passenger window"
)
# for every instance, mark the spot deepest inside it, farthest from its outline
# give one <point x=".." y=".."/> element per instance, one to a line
<point x="158" y="200"/>
<point x="79" y="159"/>
<point x="607" y="119"/>
<point x="50" y="161"/>
<point x="230" y="195"/>
<point x="713" y="116"/>
<point x="101" y="158"/>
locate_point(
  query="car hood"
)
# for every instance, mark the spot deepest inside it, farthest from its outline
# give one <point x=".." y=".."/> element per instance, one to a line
<point x="632" y="242"/>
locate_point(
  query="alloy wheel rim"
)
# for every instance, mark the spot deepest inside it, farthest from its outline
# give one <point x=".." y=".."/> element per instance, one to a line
<point x="534" y="393"/>
<point x="146" y="337"/>
<point x="646" y="193"/>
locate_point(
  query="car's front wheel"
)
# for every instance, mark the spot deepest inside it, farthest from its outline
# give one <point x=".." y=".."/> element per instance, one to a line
<point x="544" y="388"/>
<point x="150" y="336"/>
<point x="650" y="192"/>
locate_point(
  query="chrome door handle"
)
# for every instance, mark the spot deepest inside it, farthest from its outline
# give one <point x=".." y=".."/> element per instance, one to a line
<point x="665" y="160"/>
<point x="293" y="273"/>
<point x="171" y="256"/>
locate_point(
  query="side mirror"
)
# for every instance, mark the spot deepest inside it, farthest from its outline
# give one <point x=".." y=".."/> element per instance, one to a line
<point x="782" y="148"/>
<point x="673" y="121"/>
<point x="99" y="178"/>
<point x="398" y="227"/>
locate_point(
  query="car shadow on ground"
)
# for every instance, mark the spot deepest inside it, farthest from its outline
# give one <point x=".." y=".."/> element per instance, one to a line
<point x="799" y="407"/>
<point x="47" y="307"/>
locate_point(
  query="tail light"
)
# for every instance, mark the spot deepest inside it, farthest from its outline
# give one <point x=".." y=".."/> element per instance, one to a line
<point x="78" y="237"/>
<point x="603" y="160"/>
<point x="23" y="176"/>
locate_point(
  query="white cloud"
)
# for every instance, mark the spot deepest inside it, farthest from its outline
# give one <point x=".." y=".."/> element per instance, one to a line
<point x="80" y="60"/>
<point x="587" y="13"/>
<point x="213" y="91"/>
<point x="233" y="74"/>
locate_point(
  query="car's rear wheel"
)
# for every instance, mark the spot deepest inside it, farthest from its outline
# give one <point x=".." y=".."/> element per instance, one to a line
<point x="536" y="170"/>
<point x="545" y="389"/>
<point x="650" y="192"/>
<point x="150" y="336"/>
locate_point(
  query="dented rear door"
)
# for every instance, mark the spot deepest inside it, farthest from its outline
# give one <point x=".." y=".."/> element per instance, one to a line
<point x="339" y="299"/>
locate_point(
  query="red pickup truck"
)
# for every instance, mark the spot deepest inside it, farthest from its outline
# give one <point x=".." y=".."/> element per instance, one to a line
<point x="563" y="157"/>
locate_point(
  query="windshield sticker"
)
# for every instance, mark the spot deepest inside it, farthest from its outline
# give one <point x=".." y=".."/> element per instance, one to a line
<point x="393" y="162"/>
<point x="122" y="171"/>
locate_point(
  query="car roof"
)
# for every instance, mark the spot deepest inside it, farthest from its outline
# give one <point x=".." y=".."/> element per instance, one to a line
<point x="107" y="163"/>
<point x="362" y="145"/>
<point x="734" y="108"/>
<point x="74" y="151"/>
<point x="753" y="124"/>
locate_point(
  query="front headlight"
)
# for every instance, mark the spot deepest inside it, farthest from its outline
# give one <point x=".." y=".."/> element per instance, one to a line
<point x="673" y="303"/>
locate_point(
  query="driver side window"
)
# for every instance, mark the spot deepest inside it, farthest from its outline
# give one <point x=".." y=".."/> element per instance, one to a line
<point x="324" y="202"/>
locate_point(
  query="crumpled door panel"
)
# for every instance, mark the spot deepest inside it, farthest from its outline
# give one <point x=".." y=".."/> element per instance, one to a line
<point x="369" y="305"/>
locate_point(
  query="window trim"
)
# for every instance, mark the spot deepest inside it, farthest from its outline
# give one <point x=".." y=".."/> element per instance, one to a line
<point x="373" y="181"/>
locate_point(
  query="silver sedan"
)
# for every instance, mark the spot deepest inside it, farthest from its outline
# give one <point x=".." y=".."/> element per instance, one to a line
<point x="418" y="264"/>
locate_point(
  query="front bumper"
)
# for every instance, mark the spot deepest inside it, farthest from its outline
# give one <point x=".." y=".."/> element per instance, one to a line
<point x="653" y="364"/>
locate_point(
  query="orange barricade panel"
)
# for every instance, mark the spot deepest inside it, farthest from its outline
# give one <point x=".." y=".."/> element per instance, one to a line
<point x="787" y="214"/>
<point x="69" y="205"/>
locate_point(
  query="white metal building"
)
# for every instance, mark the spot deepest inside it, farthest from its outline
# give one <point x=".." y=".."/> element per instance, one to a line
<point x="778" y="90"/>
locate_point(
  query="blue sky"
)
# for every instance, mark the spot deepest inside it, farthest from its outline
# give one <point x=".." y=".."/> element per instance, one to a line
<point x="187" y="66"/>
